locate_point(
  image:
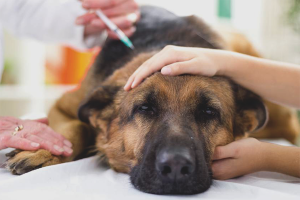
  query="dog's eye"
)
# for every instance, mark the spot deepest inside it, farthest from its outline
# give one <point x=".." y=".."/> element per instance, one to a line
<point x="209" y="111"/>
<point x="146" y="108"/>
<point x="205" y="114"/>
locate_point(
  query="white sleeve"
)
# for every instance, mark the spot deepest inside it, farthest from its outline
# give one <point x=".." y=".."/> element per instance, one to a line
<point x="48" y="21"/>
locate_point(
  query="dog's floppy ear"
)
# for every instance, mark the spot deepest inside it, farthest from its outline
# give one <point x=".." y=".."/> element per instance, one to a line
<point x="97" y="101"/>
<point x="251" y="112"/>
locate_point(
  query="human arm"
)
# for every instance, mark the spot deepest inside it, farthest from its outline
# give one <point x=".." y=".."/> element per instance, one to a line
<point x="250" y="155"/>
<point x="275" y="81"/>
<point x="33" y="135"/>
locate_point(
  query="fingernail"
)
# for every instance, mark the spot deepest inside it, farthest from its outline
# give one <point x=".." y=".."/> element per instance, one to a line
<point x="132" y="17"/>
<point x="133" y="84"/>
<point x="58" y="148"/>
<point x="79" y="21"/>
<point x="68" y="150"/>
<point x="126" y="86"/>
<point x="166" y="70"/>
<point x="35" y="144"/>
<point x="67" y="143"/>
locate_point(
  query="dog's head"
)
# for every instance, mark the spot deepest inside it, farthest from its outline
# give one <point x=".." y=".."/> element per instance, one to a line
<point x="164" y="132"/>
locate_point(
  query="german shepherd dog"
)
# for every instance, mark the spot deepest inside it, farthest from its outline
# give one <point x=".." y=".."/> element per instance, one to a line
<point x="162" y="133"/>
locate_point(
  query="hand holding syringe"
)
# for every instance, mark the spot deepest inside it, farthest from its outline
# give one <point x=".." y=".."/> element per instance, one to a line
<point x="123" y="13"/>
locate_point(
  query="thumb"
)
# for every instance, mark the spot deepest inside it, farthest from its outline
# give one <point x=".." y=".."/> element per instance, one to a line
<point x="222" y="152"/>
<point x="223" y="169"/>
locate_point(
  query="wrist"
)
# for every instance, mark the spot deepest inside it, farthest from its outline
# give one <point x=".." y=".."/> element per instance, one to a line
<point x="233" y="65"/>
<point x="264" y="156"/>
<point x="224" y="62"/>
<point x="8" y="124"/>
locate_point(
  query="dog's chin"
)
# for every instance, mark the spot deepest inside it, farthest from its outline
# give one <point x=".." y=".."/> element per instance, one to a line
<point x="149" y="182"/>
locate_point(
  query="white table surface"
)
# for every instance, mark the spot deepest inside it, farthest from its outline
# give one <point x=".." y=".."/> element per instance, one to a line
<point x="86" y="179"/>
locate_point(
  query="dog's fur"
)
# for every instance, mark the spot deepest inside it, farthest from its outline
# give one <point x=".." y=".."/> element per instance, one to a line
<point x="129" y="128"/>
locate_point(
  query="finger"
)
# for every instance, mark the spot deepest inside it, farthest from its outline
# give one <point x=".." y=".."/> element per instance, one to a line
<point x="22" y="143"/>
<point x="86" y="19"/>
<point x="48" y="137"/>
<point x="127" y="32"/>
<point x="55" y="137"/>
<point x="121" y="9"/>
<point x="224" y="169"/>
<point x="46" y="144"/>
<point x="43" y="131"/>
<point x="131" y="79"/>
<point x="48" y="133"/>
<point x="100" y="4"/>
<point x="42" y="120"/>
<point x="127" y="86"/>
<point x="187" y="67"/>
<point x="122" y="22"/>
<point x="222" y="152"/>
<point x="50" y="146"/>
<point x="167" y="56"/>
<point x="92" y="29"/>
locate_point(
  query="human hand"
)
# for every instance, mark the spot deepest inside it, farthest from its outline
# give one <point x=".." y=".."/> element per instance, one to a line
<point x="123" y="13"/>
<point x="238" y="158"/>
<point x="174" y="60"/>
<point x="36" y="134"/>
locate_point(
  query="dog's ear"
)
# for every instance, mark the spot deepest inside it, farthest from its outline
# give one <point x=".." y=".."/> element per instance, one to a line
<point x="251" y="112"/>
<point x="99" y="100"/>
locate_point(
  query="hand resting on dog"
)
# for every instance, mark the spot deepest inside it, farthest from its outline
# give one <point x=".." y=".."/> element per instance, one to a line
<point x="274" y="81"/>
<point x="33" y="135"/>
<point x="250" y="155"/>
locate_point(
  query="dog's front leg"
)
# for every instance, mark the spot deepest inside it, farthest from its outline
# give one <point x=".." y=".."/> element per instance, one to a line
<point x="80" y="134"/>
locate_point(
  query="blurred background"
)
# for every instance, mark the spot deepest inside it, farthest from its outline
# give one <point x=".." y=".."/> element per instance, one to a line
<point x="37" y="74"/>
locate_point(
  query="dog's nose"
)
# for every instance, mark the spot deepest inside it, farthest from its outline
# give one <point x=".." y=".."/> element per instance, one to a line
<point x="175" y="164"/>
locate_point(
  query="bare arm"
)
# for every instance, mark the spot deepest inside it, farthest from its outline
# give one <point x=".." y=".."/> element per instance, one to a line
<point x="282" y="159"/>
<point x="275" y="81"/>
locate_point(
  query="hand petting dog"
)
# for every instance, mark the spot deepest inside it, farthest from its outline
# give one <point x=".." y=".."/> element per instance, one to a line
<point x="277" y="82"/>
<point x="32" y="135"/>
<point x="123" y="13"/>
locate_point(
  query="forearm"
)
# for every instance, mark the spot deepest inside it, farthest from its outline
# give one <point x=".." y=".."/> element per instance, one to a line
<point x="275" y="81"/>
<point x="282" y="159"/>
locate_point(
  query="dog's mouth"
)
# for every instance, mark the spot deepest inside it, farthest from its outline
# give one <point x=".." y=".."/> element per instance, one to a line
<point x="176" y="170"/>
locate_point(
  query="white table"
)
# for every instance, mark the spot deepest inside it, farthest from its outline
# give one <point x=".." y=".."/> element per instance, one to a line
<point x="86" y="179"/>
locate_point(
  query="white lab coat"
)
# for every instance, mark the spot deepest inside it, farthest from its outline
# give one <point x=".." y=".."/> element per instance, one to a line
<point x="45" y="20"/>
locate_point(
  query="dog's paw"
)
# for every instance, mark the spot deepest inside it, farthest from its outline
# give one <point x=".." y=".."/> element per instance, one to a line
<point x="20" y="162"/>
